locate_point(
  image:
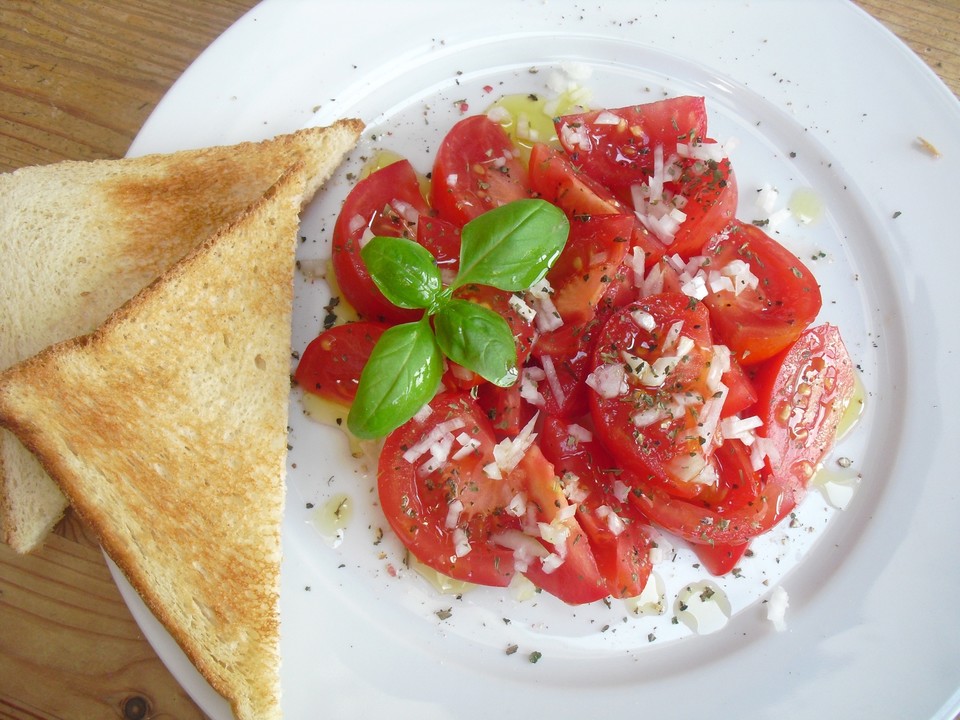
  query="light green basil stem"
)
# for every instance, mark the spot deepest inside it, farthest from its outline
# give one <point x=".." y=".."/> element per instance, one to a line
<point x="510" y="248"/>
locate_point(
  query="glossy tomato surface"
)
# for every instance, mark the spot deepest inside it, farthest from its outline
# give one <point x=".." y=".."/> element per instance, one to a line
<point x="477" y="168"/>
<point x="387" y="202"/>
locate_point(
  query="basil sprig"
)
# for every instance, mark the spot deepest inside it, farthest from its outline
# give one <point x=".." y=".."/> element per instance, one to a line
<point x="510" y="248"/>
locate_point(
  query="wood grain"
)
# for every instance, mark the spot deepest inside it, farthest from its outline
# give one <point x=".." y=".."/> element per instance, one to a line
<point x="58" y="55"/>
<point x="930" y="28"/>
<point x="77" y="80"/>
<point x="70" y="648"/>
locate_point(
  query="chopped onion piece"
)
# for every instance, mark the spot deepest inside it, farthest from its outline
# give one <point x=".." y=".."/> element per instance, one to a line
<point x="606" y="117"/>
<point x="553" y="380"/>
<point x="517" y="505"/>
<point x="426" y="443"/>
<point x="579" y="432"/>
<point x="777" y="608"/>
<point x="644" y="320"/>
<point x="461" y="543"/>
<point x="522" y="309"/>
<point x="609" y="381"/>
<point x="454" y="509"/>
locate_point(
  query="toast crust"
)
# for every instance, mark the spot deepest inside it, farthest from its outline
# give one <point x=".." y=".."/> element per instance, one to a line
<point x="81" y="238"/>
<point x="167" y="430"/>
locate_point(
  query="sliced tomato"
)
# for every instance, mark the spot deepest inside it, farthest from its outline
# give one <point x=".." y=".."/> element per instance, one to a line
<point x="504" y="408"/>
<point x="617" y="532"/>
<point x="477" y="168"/>
<point x="661" y="418"/>
<point x="331" y="364"/>
<point x="764" y="315"/>
<point x="458" y="521"/>
<point x="719" y="558"/>
<point x="577" y="578"/>
<point x="737" y="507"/>
<point x="417" y="503"/>
<point x="741" y="394"/>
<point x="616" y="146"/>
<point x="442" y="239"/>
<point x="802" y="395"/>
<point x="387" y="202"/>
<point x="585" y="268"/>
<point x="566" y="353"/>
<point x="709" y="192"/>
<point x="554" y="178"/>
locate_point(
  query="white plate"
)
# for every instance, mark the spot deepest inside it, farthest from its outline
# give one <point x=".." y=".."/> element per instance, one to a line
<point x="818" y="95"/>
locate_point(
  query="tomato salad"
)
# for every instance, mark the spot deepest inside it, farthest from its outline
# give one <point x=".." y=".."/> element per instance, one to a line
<point x="667" y="374"/>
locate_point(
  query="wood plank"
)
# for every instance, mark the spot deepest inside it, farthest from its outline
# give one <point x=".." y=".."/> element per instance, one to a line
<point x="70" y="648"/>
<point x="78" y="79"/>
<point x="931" y="28"/>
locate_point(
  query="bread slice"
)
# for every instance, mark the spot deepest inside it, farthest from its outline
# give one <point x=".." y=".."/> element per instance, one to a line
<point x="78" y="239"/>
<point x="167" y="430"/>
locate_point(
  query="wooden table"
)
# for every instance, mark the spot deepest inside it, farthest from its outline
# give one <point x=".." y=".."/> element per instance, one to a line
<point x="77" y="80"/>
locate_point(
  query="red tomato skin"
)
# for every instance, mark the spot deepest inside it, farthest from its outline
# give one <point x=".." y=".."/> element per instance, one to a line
<point x="742" y="394"/>
<point x="586" y="266"/>
<point x="363" y="208"/>
<point x="331" y="364"/>
<point x="758" y="324"/>
<point x="504" y="408"/>
<point x="818" y="359"/>
<point x="554" y="178"/>
<point x="577" y="580"/>
<point x="802" y="395"/>
<point x="442" y="239"/>
<point x="417" y="511"/>
<point x="711" y="204"/>
<point x="416" y="506"/>
<point x="741" y="507"/>
<point x="477" y="168"/>
<point x="623" y="558"/>
<point x="651" y="451"/>
<point x="621" y="153"/>
<point x="719" y="559"/>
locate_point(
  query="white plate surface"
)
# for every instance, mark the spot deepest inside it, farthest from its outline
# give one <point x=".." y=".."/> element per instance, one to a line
<point x="817" y="95"/>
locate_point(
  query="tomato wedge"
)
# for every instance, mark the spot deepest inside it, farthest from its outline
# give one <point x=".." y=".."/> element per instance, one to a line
<point x="331" y="364"/>
<point x="555" y="178"/>
<point x="454" y="519"/>
<point x="477" y="168"/>
<point x="617" y="532"/>
<point x="616" y="146"/>
<point x="652" y="398"/>
<point x="802" y="395"/>
<point x="774" y="296"/>
<point x="589" y="261"/>
<point x="719" y="559"/>
<point x="741" y="506"/>
<point x="387" y="202"/>
<point x="709" y="192"/>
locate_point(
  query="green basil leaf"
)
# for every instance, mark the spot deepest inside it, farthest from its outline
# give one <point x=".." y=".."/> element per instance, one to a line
<point x="512" y="247"/>
<point x="405" y="271"/>
<point x="401" y="376"/>
<point x="479" y="339"/>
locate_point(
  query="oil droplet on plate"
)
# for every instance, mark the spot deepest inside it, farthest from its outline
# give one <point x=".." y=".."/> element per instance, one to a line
<point x="703" y="607"/>
<point x="805" y="205"/>
<point x="837" y="487"/>
<point x="444" y="584"/>
<point x="331" y="518"/>
<point x="650" y="599"/>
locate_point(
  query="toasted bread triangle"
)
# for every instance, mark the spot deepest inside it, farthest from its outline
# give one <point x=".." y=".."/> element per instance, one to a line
<point x="81" y="238"/>
<point x="167" y="430"/>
